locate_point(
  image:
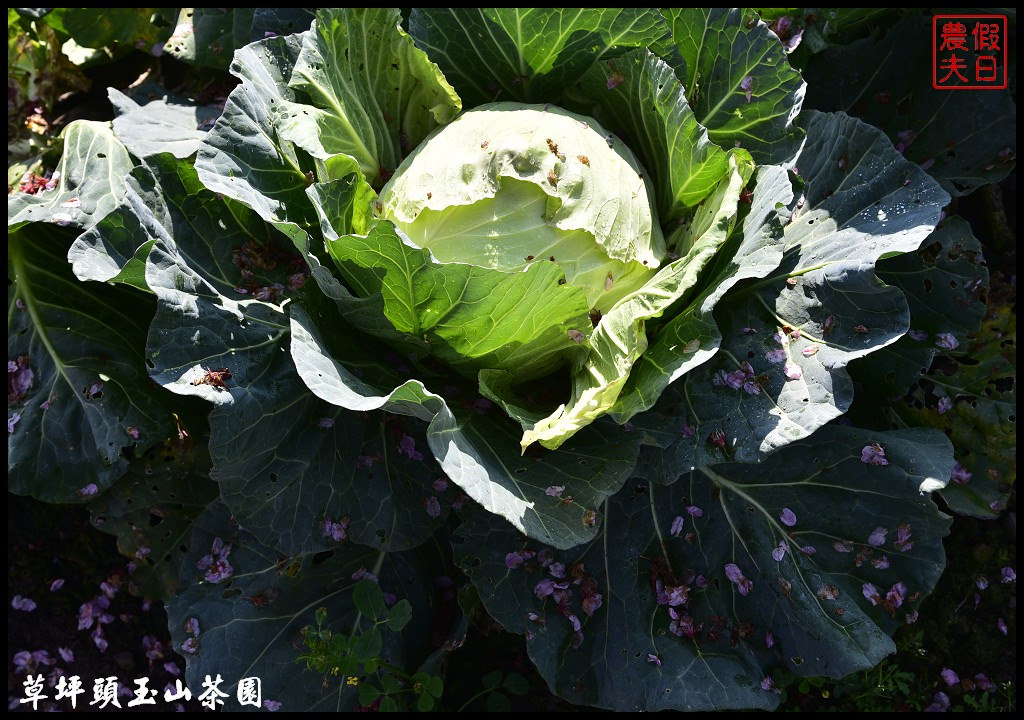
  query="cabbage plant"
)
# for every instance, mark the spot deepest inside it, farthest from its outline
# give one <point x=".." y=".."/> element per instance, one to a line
<point x="573" y="293"/>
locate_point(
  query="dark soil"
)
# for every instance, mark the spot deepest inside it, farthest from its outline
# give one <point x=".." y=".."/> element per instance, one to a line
<point x="50" y="542"/>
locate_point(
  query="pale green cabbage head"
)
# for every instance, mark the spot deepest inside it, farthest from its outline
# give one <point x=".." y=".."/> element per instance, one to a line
<point x="509" y="184"/>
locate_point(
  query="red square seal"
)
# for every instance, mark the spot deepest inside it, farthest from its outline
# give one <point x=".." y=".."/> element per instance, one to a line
<point x="969" y="52"/>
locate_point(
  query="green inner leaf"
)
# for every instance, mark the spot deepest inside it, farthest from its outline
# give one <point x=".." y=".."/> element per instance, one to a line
<point x="638" y="97"/>
<point x="471" y="317"/>
<point x="620" y="338"/>
<point x="374" y="94"/>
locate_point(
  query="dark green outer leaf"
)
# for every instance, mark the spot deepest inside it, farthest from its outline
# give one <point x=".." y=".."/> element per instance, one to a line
<point x="834" y="496"/>
<point x="722" y="49"/>
<point x="201" y="317"/>
<point x="982" y="421"/>
<point x="281" y="470"/>
<point x="150" y="511"/>
<point x="478" y="450"/>
<point x="527" y="54"/>
<point x="244" y="157"/>
<point x="196" y="327"/>
<point x="116" y="248"/>
<point x="966" y="139"/>
<point x="163" y="124"/>
<point x="165" y="201"/>
<point x="825" y="27"/>
<point x="91" y="182"/>
<point x="74" y="336"/>
<point x="208" y="37"/>
<point x="945" y="283"/>
<point x="265" y="483"/>
<point x="128" y="26"/>
<point x="250" y="623"/>
<point x="279" y="21"/>
<point x="861" y="201"/>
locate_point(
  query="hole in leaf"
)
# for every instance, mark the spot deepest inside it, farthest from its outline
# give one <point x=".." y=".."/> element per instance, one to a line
<point x="931" y="252"/>
<point x="322" y="556"/>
